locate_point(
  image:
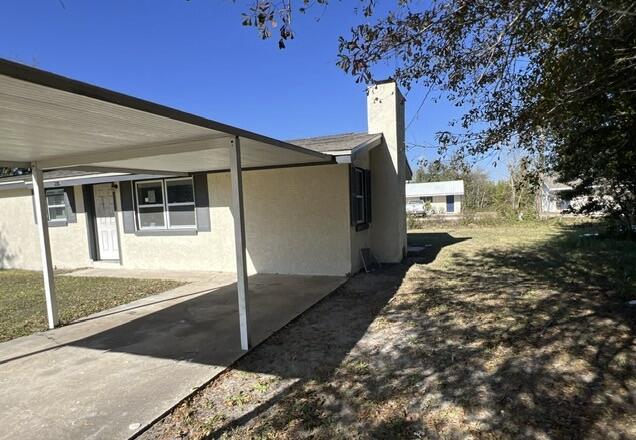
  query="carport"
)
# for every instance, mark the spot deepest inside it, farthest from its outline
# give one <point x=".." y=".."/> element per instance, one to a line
<point x="51" y="122"/>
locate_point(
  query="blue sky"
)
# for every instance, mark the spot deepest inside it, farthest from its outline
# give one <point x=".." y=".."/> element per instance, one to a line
<point x="195" y="56"/>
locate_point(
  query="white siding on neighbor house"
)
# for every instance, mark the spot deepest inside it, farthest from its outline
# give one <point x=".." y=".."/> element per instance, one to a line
<point x="438" y="205"/>
<point x="441" y="188"/>
<point x="552" y="202"/>
<point x="19" y="245"/>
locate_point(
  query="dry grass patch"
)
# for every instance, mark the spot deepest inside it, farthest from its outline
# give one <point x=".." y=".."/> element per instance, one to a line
<point x="24" y="309"/>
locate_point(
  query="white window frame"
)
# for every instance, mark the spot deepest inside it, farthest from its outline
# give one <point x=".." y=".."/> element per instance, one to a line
<point x="165" y="205"/>
<point x="61" y="205"/>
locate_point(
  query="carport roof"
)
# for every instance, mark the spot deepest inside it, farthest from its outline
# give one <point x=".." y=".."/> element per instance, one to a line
<point x="59" y="122"/>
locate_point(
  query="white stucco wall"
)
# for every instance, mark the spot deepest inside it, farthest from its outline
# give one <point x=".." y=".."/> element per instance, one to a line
<point x="296" y="221"/>
<point x="19" y="242"/>
<point x="385" y="114"/>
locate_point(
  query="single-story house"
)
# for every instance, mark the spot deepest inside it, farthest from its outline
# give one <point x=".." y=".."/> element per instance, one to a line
<point x="443" y="198"/>
<point x="124" y="182"/>
<point x="553" y="196"/>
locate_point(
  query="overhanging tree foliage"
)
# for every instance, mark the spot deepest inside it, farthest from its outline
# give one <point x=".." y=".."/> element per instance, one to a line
<point x="555" y="78"/>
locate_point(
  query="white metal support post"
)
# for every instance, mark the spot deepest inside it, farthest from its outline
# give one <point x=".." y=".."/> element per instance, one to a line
<point x="45" y="245"/>
<point x="239" y="240"/>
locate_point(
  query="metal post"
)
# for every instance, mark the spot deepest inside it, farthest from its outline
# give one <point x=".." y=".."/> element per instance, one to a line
<point x="45" y="245"/>
<point x="239" y="240"/>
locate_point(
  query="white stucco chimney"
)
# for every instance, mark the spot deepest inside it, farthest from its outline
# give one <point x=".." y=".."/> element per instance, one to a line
<point x="385" y="114"/>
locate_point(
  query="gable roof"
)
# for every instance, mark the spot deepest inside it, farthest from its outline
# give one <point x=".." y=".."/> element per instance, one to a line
<point x="552" y="184"/>
<point x="429" y="189"/>
<point x="338" y="143"/>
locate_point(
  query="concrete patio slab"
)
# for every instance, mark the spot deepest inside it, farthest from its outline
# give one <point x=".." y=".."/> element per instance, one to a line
<point x="111" y="374"/>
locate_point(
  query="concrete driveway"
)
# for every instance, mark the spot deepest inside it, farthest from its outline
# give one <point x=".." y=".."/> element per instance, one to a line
<point x="111" y="374"/>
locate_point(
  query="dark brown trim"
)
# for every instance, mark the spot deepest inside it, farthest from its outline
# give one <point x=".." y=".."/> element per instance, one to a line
<point x="127" y="205"/>
<point x="362" y="227"/>
<point x="91" y="222"/>
<point x="363" y="189"/>
<point x="58" y="82"/>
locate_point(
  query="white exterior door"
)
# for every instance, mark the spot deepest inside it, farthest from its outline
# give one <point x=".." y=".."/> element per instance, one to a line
<point x="107" y="238"/>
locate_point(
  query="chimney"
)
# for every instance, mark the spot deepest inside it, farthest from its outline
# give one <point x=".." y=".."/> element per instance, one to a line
<point x="385" y="114"/>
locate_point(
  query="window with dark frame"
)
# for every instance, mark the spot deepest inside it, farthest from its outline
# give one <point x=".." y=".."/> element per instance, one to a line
<point x="360" y="198"/>
<point x="165" y="204"/>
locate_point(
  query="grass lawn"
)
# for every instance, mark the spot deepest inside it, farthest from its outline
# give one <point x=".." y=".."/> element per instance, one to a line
<point x="491" y="332"/>
<point x="24" y="309"/>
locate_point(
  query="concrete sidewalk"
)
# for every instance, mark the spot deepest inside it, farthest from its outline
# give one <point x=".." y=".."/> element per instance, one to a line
<point x="111" y="374"/>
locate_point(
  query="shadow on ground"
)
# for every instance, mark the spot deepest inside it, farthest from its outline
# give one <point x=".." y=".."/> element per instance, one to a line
<point x="307" y="353"/>
<point x="431" y="243"/>
<point x="490" y="340"/>
<point x="204" y="329"/>
<point x="522" y="341"/>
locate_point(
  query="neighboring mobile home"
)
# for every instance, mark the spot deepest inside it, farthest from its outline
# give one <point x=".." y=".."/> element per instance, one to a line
<point x="131" y="184"/>
<point x="553" y="196"/>
<point x="443" y="198"/>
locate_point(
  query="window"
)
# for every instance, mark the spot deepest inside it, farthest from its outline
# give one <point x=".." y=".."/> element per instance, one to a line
<point x="56" y="207"/>
<point x="360" y="197"/>
<point x="427" y="199"/>
<point x="150" y="206"/>
<point x="166" y="204"/>
<point x="180" y="202"/>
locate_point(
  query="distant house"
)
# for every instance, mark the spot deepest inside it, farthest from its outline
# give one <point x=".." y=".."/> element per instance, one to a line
<point x="553" y="196"/>
<point x="443" y="198"/>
